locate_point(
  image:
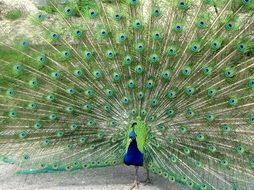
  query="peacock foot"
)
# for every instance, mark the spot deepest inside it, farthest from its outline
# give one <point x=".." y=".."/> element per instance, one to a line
<point x="135" y="185"/>
<point x="148" y="181"/>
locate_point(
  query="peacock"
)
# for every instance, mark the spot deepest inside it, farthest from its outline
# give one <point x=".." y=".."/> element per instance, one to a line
<point x="167" y="85"/>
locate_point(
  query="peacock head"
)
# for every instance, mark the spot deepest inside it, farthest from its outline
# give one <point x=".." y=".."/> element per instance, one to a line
<point x="132" y="134"/>
<point x="133" y="126"/>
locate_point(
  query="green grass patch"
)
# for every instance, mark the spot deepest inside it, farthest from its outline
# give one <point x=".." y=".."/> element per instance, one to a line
<point x="13" y="14"/>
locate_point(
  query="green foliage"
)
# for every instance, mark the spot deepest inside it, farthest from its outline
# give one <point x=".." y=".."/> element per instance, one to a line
<point x="13" y="14"/>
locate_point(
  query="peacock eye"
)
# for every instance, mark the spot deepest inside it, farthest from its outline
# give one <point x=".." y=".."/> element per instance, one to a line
<point x="134" y="2"/>
<point x="117" y="17"/>
<point x="202" y="23"/>
<point x="246" y="2"/>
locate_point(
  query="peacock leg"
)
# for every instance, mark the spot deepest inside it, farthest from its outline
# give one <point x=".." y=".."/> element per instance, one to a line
<point x="148" y="179"/>
<point x="136" y="182"/>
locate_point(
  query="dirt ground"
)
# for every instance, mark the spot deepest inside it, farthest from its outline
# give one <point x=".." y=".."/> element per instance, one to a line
<point x="113" y="178"/>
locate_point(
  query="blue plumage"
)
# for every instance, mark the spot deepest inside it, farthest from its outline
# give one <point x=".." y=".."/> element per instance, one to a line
<point x="133" y="155"/>
<point x="132" y="135"/>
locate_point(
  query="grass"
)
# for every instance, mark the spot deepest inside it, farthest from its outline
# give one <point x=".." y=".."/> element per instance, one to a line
<point x="13" y="14"/>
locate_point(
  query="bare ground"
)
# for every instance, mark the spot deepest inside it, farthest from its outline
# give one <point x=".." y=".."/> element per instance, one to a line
<point x="112" y="178"/>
